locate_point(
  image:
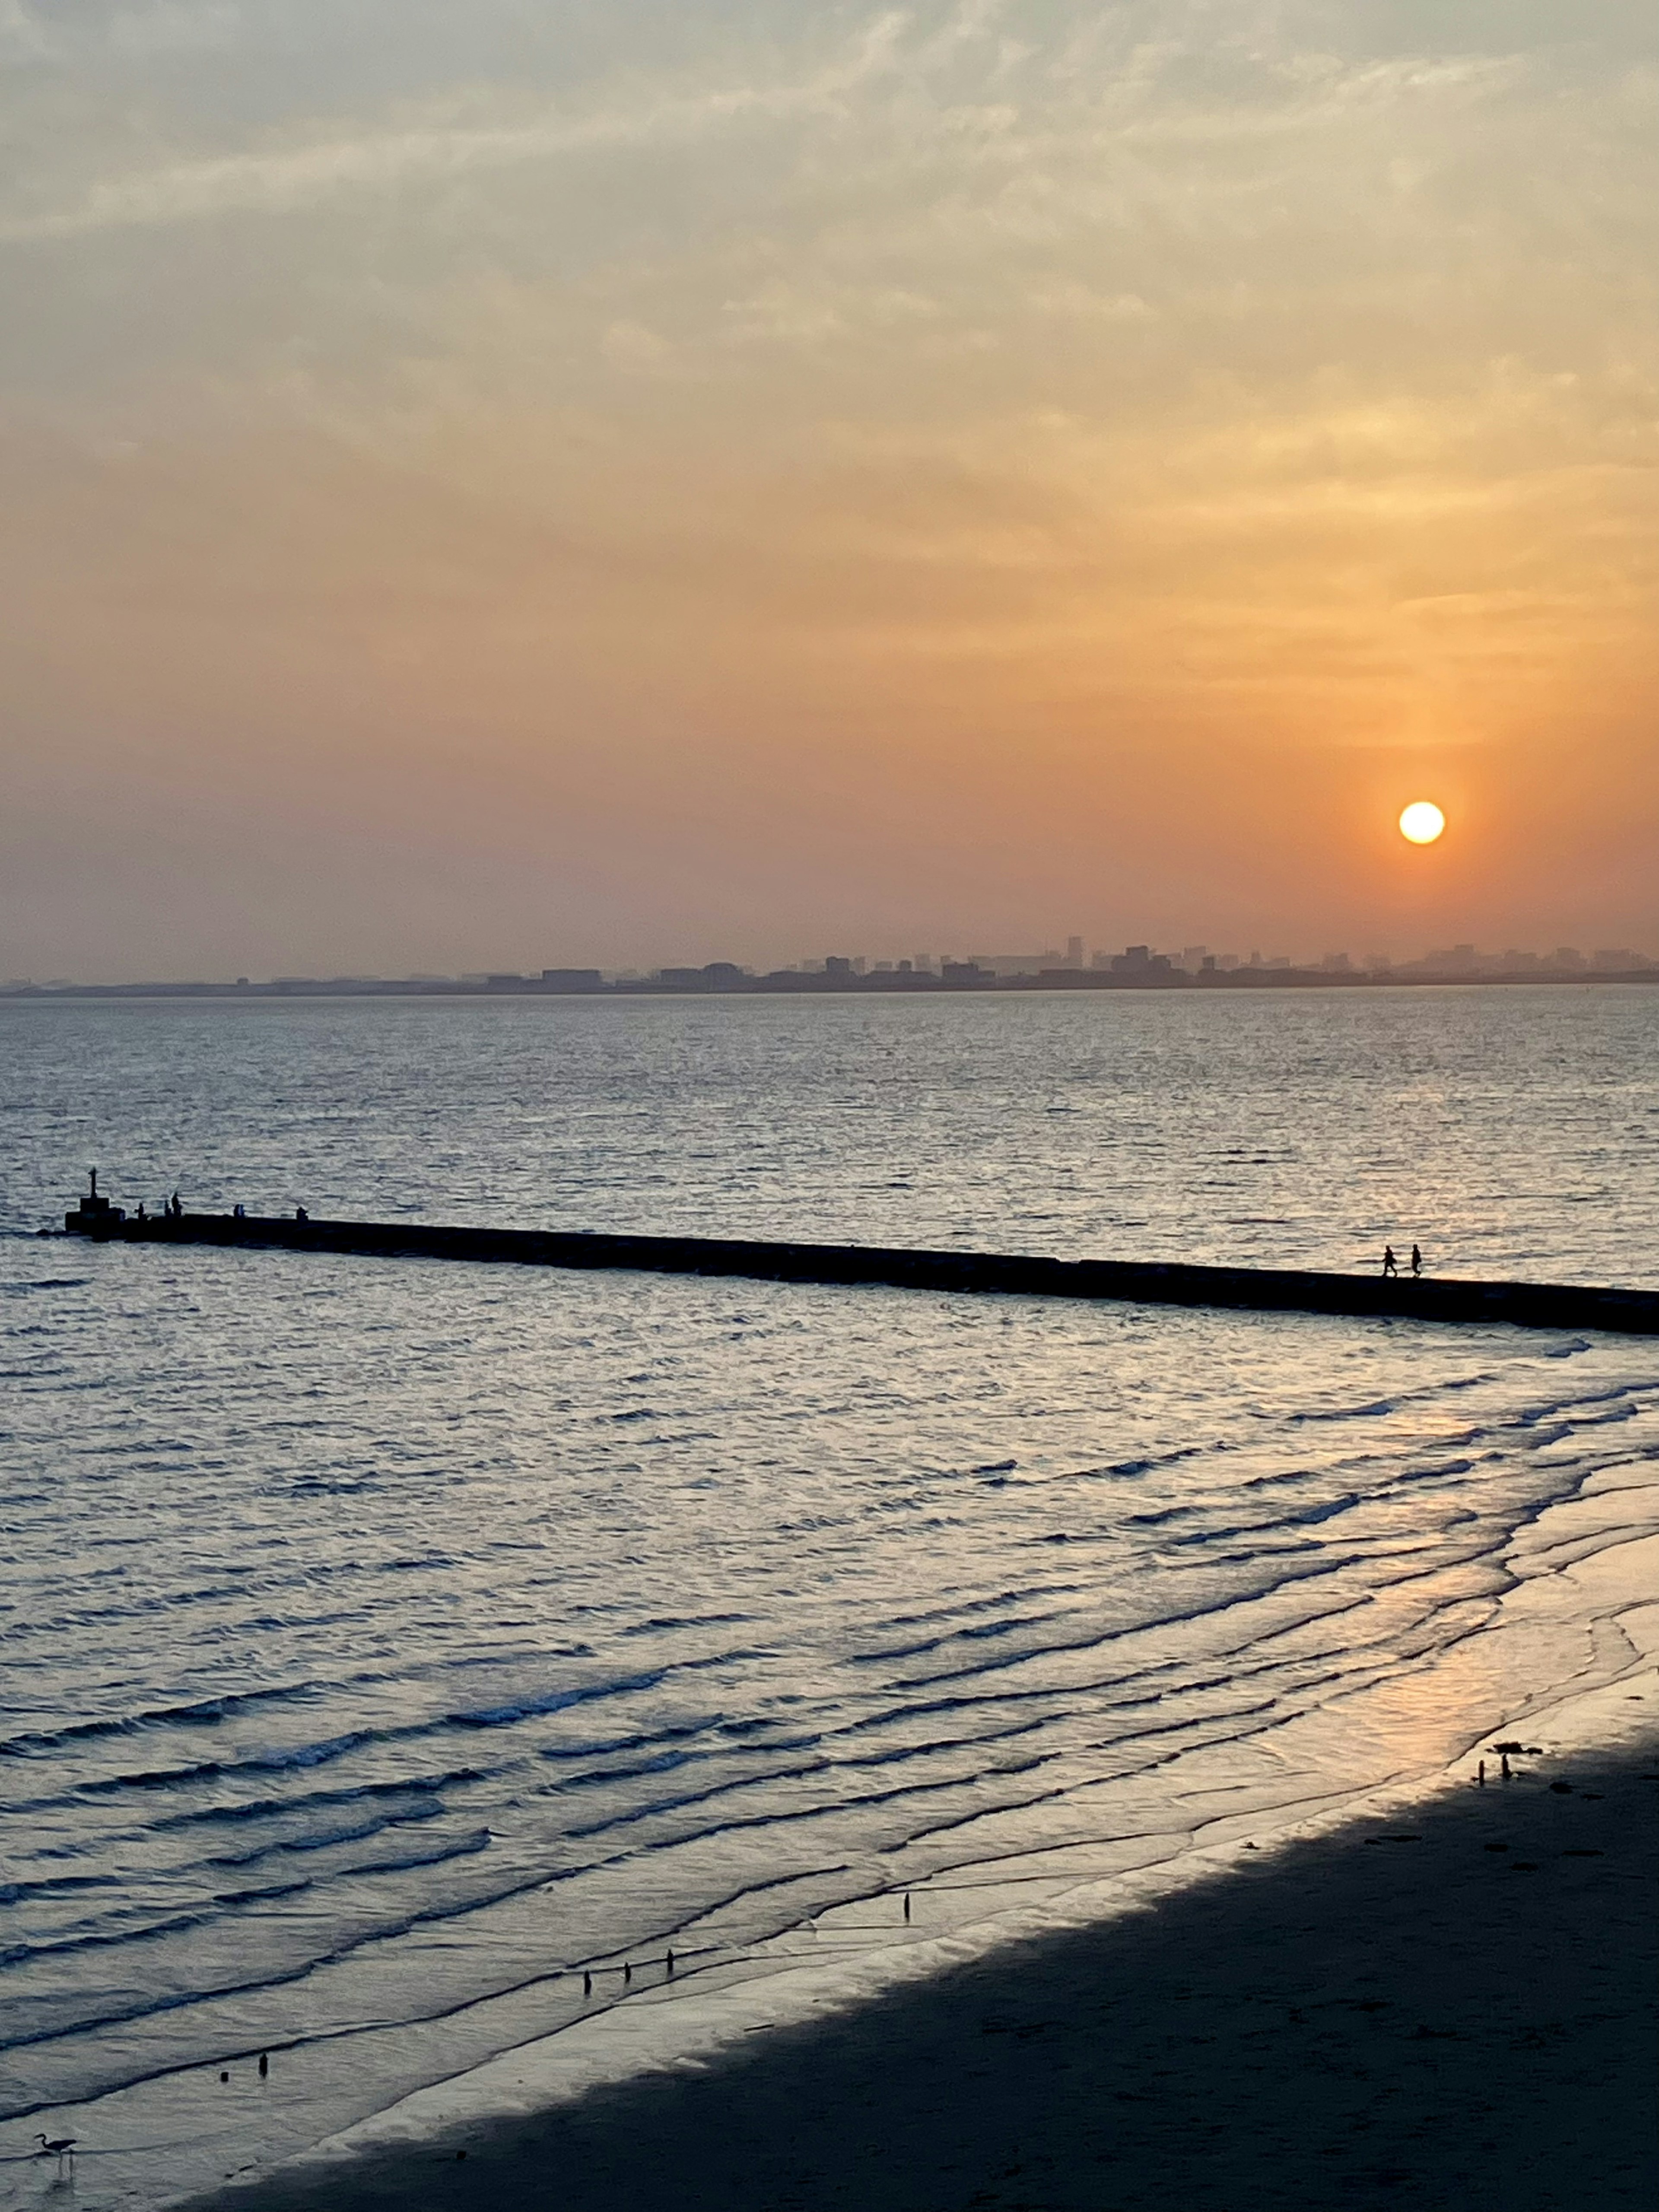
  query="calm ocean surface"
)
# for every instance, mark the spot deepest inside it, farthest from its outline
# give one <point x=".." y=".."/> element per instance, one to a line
<point x="382" y="1638"/>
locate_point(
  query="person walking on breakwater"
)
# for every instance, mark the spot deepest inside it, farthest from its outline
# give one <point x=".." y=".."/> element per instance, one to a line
<point x="1417" y="1261"/>
<point x="1390" y="1265"/>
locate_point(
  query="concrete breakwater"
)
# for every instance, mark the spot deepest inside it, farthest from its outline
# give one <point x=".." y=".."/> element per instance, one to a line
<point x="1268" y="1290"/>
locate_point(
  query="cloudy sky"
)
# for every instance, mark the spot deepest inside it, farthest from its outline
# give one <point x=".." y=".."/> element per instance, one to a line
<point x="507" y="484"/>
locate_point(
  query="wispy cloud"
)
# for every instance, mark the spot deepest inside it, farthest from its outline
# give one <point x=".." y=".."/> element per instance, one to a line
<point x="296" y="176"/>
<point x="1136" y="96"/>
<point x="32" y="35"/>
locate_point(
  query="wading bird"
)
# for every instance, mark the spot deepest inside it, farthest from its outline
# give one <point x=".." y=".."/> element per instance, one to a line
<point x="62" y="2150"/>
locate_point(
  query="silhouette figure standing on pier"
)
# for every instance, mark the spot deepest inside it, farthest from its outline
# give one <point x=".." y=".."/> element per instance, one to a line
<point x="1417" y="1261"/>
<point x="1390" y="1265"/>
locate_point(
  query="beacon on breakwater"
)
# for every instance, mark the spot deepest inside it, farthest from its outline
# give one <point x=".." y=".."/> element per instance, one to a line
<point x="92" y="1215"/>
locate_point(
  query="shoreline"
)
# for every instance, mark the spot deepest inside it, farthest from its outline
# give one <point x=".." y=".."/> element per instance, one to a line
<point x="1543" y="1990"/>
<point x="1569" y="1661"/>
<point x="1274" y="1962"/>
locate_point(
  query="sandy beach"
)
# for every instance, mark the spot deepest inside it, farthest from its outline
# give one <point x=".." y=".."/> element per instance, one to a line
<point x="1453" y="2006"/>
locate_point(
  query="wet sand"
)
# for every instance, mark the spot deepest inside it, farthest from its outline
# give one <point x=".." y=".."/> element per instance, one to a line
<point x="1454" y="2007"/>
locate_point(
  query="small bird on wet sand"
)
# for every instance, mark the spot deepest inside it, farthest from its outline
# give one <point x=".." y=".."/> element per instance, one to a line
<point x="63" y="2149"/>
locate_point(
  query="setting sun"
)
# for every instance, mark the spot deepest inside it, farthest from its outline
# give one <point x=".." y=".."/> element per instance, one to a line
<point x="1422" y="822"/>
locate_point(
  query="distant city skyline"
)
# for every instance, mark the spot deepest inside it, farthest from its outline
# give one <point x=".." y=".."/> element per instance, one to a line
<point x="1141" y="962"/>
<point x="1191" y="959"/>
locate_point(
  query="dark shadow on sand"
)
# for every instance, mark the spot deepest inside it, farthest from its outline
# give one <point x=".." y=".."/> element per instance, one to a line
<point x="1453" y="2011"/>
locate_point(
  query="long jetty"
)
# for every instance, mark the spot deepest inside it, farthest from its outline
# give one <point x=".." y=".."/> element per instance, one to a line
<point x="1263" y="1290"/>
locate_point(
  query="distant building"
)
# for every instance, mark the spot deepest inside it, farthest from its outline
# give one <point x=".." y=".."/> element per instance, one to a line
<point x="713" y="975"/>
<point x="1074" y="952"/>
<point x="572" y="979"/>
<point x="1135" y="960"/>
<point x="839" y="968"/>
<point x="1016" y="964"/>
<point x="1456" y="960"/>
<point x="965" y="971"/>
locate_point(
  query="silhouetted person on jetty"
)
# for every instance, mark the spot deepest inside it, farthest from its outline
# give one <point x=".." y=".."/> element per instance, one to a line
<point x="1417" y="1261"/>
<point x="1390" y="1265"/>
<point x="239" y="1214"/>
<point x="300" y="1213"/>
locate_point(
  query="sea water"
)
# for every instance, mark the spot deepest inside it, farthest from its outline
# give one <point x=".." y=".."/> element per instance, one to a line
<point x="387" y="1644"/>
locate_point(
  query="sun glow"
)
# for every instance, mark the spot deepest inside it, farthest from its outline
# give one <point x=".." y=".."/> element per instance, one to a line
<point x="1422" y="822"/>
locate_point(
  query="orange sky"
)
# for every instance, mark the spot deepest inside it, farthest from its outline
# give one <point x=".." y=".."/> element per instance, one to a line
<point x="520" y="485"/>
